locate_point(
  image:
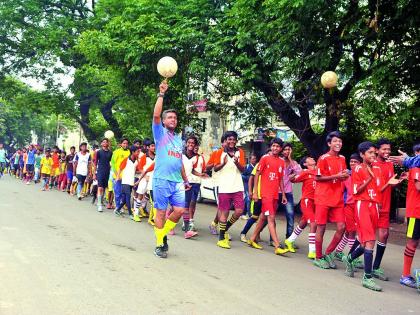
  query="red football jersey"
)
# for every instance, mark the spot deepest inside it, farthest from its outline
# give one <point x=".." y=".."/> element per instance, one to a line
<point x="330" y="193"/>
<point x="387" y="170"/>
<point x="372" y="191"/>
<point x="307" y="178"/>
<point x="272" y="170"/>
<point x="413" y="195"/>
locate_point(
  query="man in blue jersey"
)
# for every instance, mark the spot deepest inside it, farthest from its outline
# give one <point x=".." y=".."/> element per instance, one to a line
<point x="169" y="180"/>
<point x="30" y="164"/>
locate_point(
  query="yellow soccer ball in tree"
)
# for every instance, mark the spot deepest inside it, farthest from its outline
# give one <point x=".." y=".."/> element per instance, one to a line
<point x="329" y="79"/>
<point x="167" y="67"/>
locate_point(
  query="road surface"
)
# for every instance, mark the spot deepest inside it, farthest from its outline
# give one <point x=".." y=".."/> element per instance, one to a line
<point x="59" y="256"/>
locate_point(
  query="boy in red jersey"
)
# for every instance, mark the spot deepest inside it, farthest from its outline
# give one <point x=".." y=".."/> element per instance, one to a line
<point x="387" y="171"/>
<point x="307" y="205"/>
<point x="413" y="228"/>
<point x="329" y="200"/>
<point x="367" y="191"/>
<point x="271" y="169"/>
<point x="349" y="236"/>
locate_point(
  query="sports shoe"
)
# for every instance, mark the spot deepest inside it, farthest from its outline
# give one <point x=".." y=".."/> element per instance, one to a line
<point x="28" y="183"/>
<point x="280" y="251"/>
<point x="321" y="263"/>
<point x="189" y="234"/>
<point x="165" y="244"/>
<point x="213" y="229"/>
<point x="143" y="213"/>
<point x="223" y="244"/>
<point x="118" y="212"/>
<point x="417" y="277"/>
<point x="311" y="255"/>
<point x="151" y="222"/>
<point x="330" y="259"/>
<point x="254" y="245"/>
<point x="408" y="281"/>
<point x="136" y="218"/>
<point x="100" y="208"/>
<point x="370" y="284"/>
<point x="358" y="263"/>
<point x="338" y="256"/>
<point x="227" y="236"/>
<point x="244" y="217"/>
<point x="183" y="227"/>
<point x="379" y="274"/>
<point x="349" y="266"/>
<point x="160" y="252"/>
<point x="243" y="238"/>
<point x="290" y="246"/>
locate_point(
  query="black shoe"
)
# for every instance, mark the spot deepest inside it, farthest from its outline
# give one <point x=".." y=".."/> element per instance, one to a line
<point x="165" y="245"/>
<point x="160" y="252"/>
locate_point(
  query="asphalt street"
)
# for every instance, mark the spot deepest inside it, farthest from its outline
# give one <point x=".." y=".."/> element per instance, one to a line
<point x="59" y="255"/>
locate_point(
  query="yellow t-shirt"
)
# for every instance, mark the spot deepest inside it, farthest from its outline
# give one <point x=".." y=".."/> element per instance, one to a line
<point x="46" y="165"/>
<point x="254" y="171"/>
<point x="62" y="167"/>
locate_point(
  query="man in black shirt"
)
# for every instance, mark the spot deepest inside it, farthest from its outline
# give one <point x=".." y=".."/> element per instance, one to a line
<point x="102" y="168"/>
<point x="69" y="167"/>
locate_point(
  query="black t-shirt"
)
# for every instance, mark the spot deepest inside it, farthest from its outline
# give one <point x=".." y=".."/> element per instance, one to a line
<point x="103" y="159"/>
<point x="69" y="161"/>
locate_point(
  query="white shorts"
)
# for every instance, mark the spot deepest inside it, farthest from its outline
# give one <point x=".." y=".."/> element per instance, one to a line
<point x="142" y="187"/>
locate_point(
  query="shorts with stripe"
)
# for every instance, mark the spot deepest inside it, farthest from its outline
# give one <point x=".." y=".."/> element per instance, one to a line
<point x="413" y="228"/>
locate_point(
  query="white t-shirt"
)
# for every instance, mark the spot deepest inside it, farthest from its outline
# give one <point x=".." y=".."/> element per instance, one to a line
<point x="229" y="177"/>
<point x="82" y="163"/>
<point x="129" y="172"/>
<point x="195" y="163"/>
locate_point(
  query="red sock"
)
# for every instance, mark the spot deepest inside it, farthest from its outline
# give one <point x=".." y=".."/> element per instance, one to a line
<point x="334" y="242"/>
<point x="318" y="248"/>
<point x="408" y="260"/>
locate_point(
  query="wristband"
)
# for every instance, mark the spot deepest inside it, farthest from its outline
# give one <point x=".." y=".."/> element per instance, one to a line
<point x="161" y="95"/>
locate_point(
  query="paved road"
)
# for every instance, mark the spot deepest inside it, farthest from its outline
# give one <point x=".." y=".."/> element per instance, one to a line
<point x="59" y="256"/>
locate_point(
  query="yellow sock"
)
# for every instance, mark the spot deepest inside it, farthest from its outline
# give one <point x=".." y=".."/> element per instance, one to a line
<point x="159" y="236"/>
<point x="169" y="225"/>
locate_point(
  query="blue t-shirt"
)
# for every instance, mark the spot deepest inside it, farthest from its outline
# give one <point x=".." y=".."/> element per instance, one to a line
<point x="3" y="155"/>
<point x="31" y="157"/>
<point x="168" y="162"/>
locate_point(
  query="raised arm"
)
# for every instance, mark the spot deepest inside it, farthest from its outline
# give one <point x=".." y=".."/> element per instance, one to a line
<point x="163" y="87"/>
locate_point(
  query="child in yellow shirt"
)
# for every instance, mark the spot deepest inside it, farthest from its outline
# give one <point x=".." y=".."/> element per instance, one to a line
<point x="46" y="167"/>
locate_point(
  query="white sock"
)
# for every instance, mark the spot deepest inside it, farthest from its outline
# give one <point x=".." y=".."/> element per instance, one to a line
<point x="295" y="234"/>
<point x="311" y="241"/>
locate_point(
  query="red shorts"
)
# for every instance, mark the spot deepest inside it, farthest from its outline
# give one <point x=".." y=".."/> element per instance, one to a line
<point x="269" y="206"/>
<point x="367" y="220"/>
<point x="349" y="216"/>
<point x="308" y="210"/>
<point x="383" y="221"/>
<point x="227" y="199"/>
<point x="324" y="214"/>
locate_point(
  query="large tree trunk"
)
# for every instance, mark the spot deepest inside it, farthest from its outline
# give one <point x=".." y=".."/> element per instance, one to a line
<point x="106" y="111"/>
<point x="84" y="120"/>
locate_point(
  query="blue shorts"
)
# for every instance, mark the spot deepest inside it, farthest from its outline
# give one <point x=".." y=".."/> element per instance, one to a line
<point x="69" y="176"/>
<point x="166" y="192"/>
<point x="192" y="194"/>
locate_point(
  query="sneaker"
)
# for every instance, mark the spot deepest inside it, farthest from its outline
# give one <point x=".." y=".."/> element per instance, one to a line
<point x="290" y="246"/>
<point x="189" y="234"/>
<point x="330" y="259"/>
<point x="322" y="263"/>
<point x="379" y="274"/>
<point x="254" y="244"/>
<point x="417" y="277"/>
<point x="151" y="222"/>
<point x="227" y="236"/>
<point x="136" y="218"/>
<point x="28" y="183"/>
<point x="79" y="197"/>
<point x="100" y="208"/>
<point x="370" y="284"/>
<point x="311" y="255"/>
<point x="223" y="244"/>
<point x="244" y="217"/>
<point x="109" y="206"/>
<point x="243" y="238"/>
<point x="160" y="252"/>
<point x="213" y="229"/>
<point x="165" y="244"/>
<point x="280" y="251"/>
<point x="43" y="189"/>
<point x="349" y="266"/>
<point x="358" y="263"/>
<point x="408" y="281"/>
<point x="117" y="213"/>
<point x="338" y="256"/>
<point x="143" y="213"/>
